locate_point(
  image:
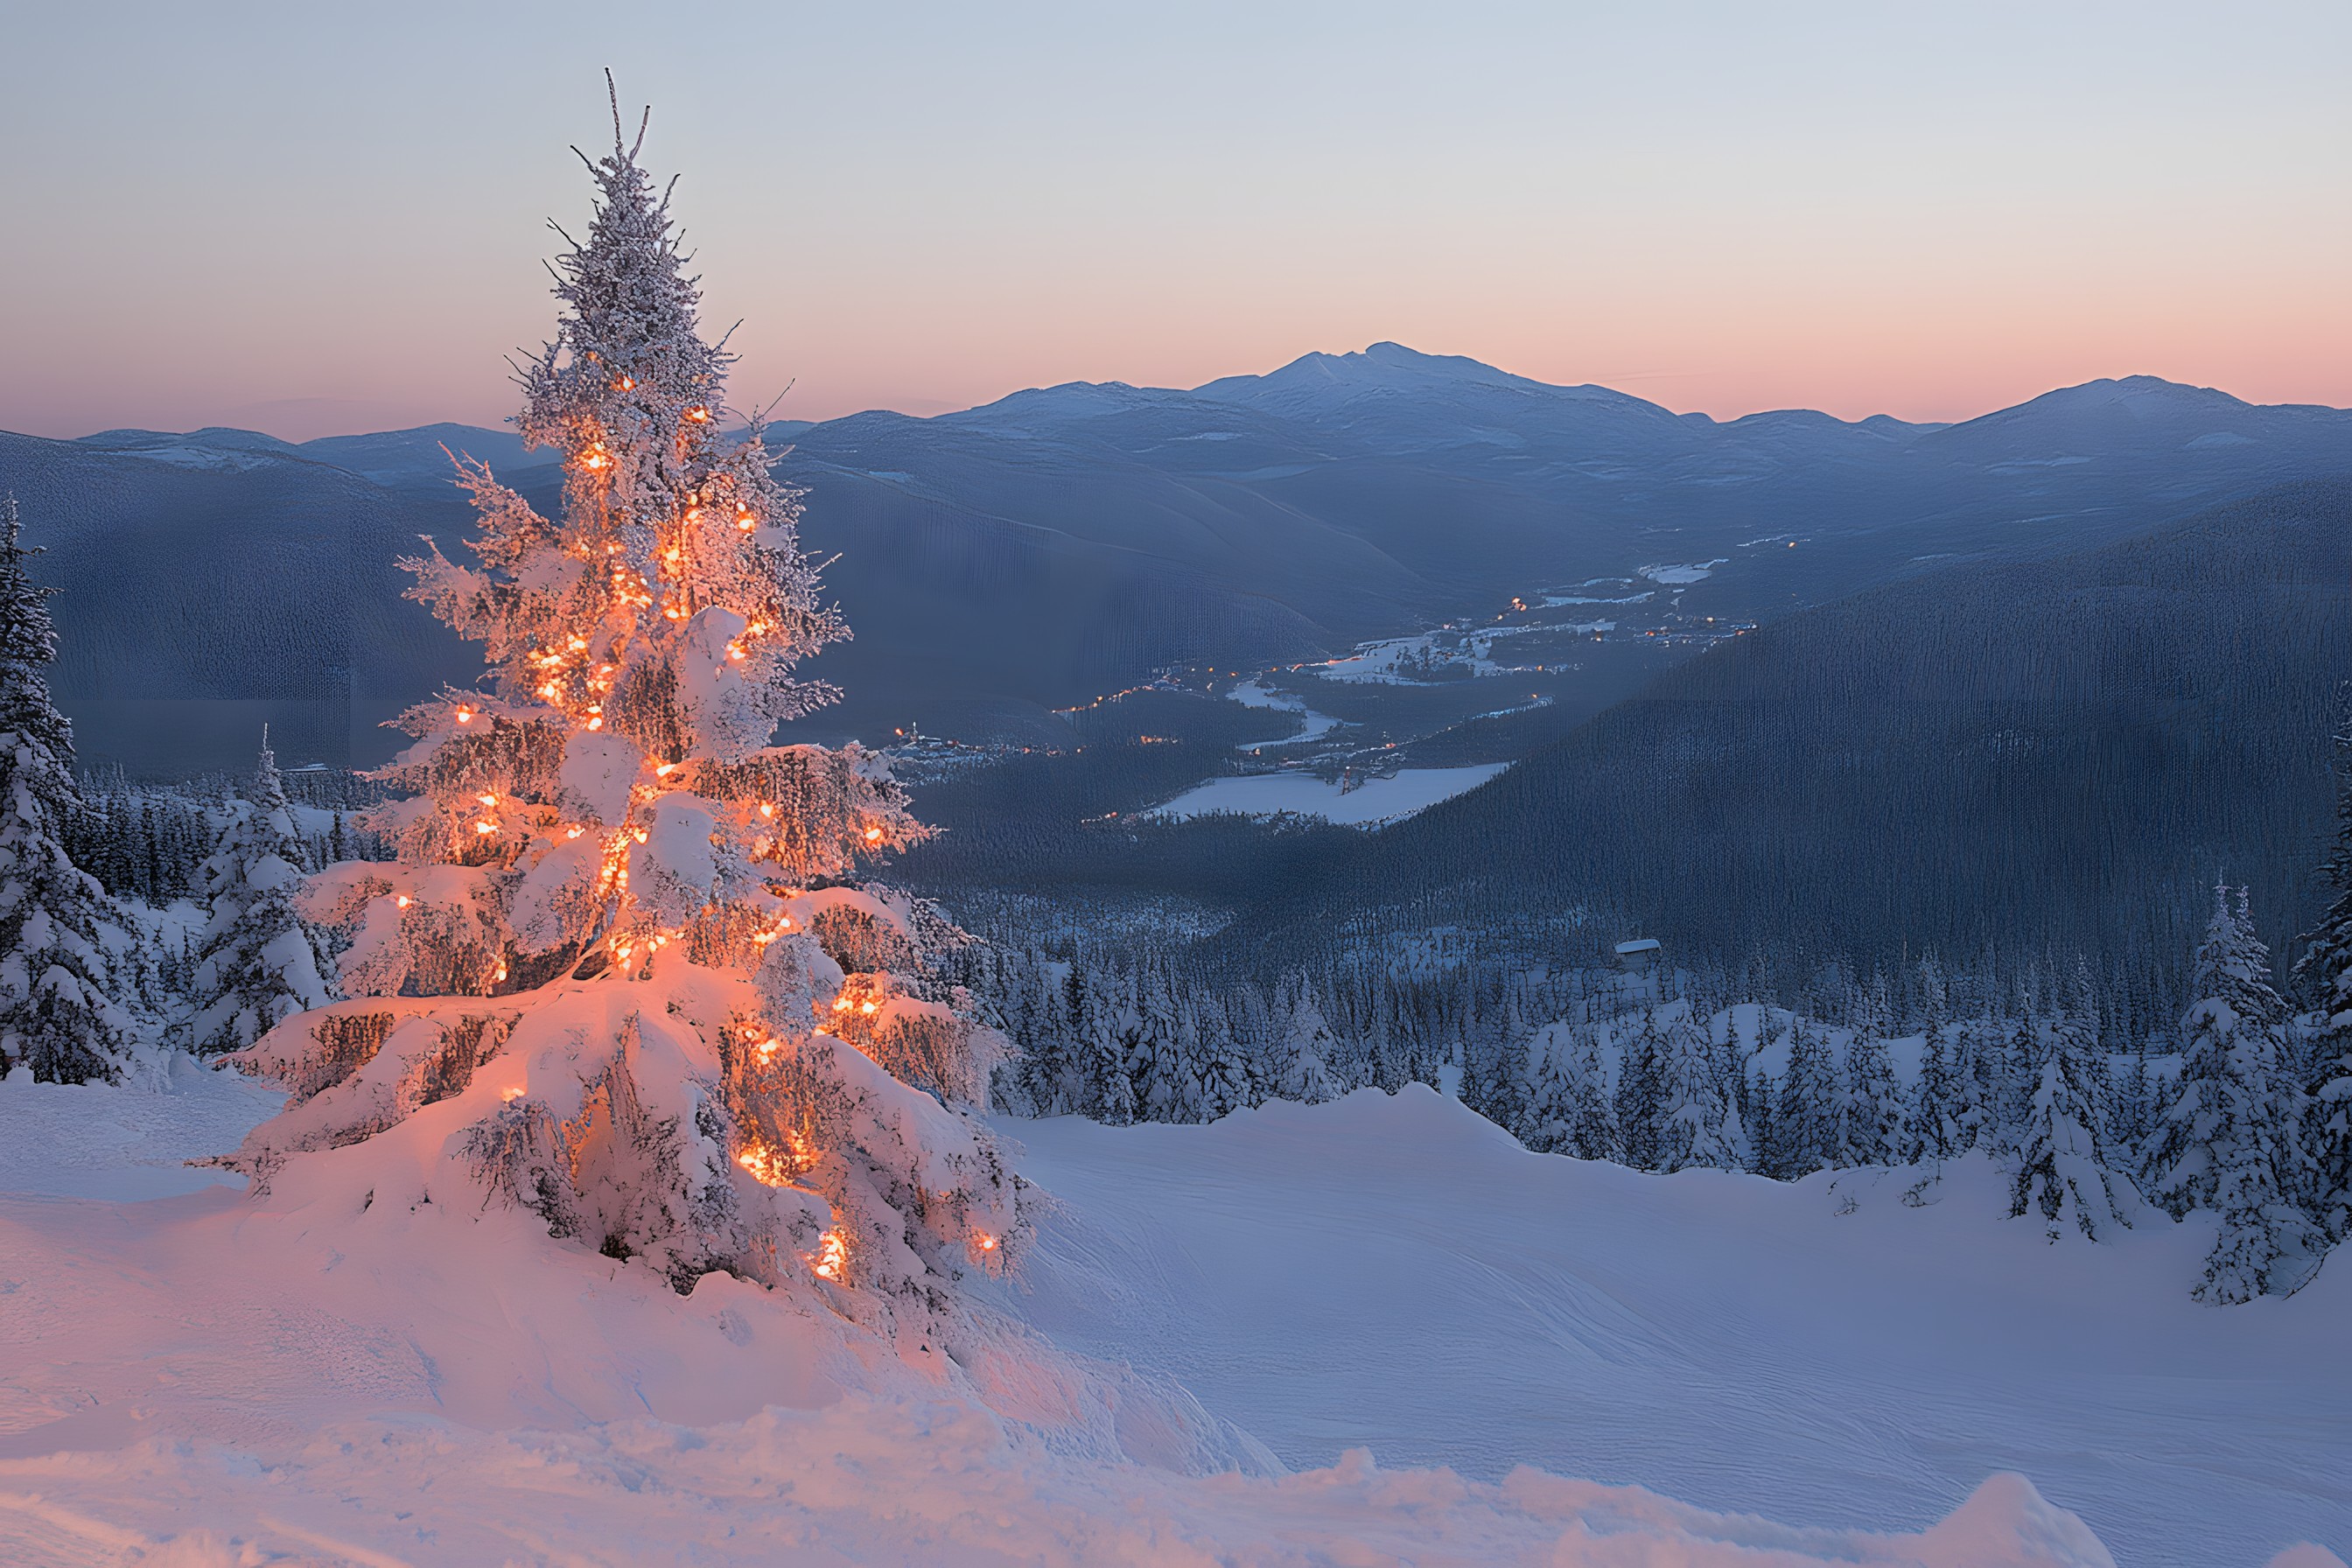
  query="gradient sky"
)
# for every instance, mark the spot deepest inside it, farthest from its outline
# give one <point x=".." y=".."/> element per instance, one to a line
<point x="309" y="218"/>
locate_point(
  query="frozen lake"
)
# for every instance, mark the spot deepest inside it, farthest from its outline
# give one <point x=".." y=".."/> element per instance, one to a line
<point x="1371" y="803"/>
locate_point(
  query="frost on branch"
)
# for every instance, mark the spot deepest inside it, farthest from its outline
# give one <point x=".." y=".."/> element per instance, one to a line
<point x="616" y="976"/>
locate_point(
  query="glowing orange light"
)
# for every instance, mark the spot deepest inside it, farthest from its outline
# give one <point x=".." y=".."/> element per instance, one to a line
<point x="486" y="827"/>
<point x="664" y="769"/>
<point x="841" y="1004"/>
<point x="765" y="1166"/>
<point x="501" y="974"/>
<point x="766" y="808"/>
<point x="987" y="1242"/>
<point x="873" y="836"/>
<point x="698" y="415"/>
<point x="487" y="799"/>
<point x="402" y="902"/>
<point x="865" y="1006"/>
<point x="511" y="1094"/>
<point x="465" y="715"/>
<point x="833" y="1256"/>
<point x="573" y="832"/>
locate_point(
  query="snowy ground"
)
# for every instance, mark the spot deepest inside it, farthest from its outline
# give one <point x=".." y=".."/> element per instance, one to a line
<point x="201" y="1379"/>
<point x="1423" y="1285"/>
<point x="1373" y="802"/>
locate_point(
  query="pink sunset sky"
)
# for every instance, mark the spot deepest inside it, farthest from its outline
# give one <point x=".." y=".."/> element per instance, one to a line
<point x="310" y="220"/>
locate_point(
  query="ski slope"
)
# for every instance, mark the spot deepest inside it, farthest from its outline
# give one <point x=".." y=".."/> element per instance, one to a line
<point x="190" y="1376"/>
<point x="1396" y="1272"/>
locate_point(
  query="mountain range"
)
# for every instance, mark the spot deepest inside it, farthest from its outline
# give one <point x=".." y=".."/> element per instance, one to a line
<point x="1067" y="540"/>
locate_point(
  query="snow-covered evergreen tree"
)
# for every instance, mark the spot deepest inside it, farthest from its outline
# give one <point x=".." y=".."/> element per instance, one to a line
<point x="2226" y="1142"/>
<point x="257" y="963"/>
<point x="1305" y="1050"/>
<point x="618" y="948"/>
<point x="1106" y="1023"/>
<point x="2212" y="1107"/>
<point x="1159" y="1059"/>
<point x="1568" y="1102"/>
<point x="1698" y="1125"/>
<point x="2324" y="971"/>
<point x="1640" y="1100"/>
<point x="1869" y="1103"/>
<point x="62" y="942"/>
<point x="1806" y="1105"/>
<point x="2067" y="1176"/>
<point x="1222" y="1066"/>
<point x="1931" y="1132"/>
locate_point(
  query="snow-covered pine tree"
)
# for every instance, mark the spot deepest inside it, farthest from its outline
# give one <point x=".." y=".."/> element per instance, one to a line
<point x="1160" y="1060"/>
<point x="1477" y="1085"/>
<point x="2324" y="971"/>
<point x="1641" y="1098"/>
<point x="2067" y="1176"/>
<point x="1698" y="1125"/>
<point x="1108" y="1025"/>
<point x="1224" y="1071"/>
<point x="2081" y="1023"/>
<point x="1930" y="1133"/>
<point x="62" y="942"/>
<point x="2225" y="1142"/>
<point x="2132" y="1112"/>
<point x="1806" y="1105"/>
<point x="257" y="963"/>
<point x="1568" y="1104"/>
<point x="619" y="934"/>
<point x="1869" y="1101"/>
<point x="1306" y="1050"/>
<point x="1767" y="1133"/>
<point x="2210" y="1107"/>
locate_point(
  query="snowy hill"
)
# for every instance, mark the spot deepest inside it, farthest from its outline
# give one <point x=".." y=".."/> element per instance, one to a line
<point x="194" y="1380"/>
<point x="1399" y="1273"/>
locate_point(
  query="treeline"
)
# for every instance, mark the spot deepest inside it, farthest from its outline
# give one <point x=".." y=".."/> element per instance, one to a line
<point x="2244" y="1108"/>
<point x="149" y="841"/>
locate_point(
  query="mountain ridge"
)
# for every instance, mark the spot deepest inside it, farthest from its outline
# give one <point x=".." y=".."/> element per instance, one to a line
<point x="1035" y="553"/>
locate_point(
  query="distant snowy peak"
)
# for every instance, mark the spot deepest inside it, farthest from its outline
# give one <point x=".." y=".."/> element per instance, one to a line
<point x="2142" y="396"/>
<point x="1322" y="382"/>
<point x="215" y="447"/>
<point x="1070" y="400"/>
<point x="383" y="455"/>
<point x="2104" y="419"/>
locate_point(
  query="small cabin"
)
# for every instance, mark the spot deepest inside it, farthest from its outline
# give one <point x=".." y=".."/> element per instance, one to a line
<point x="1639" y="956"/>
